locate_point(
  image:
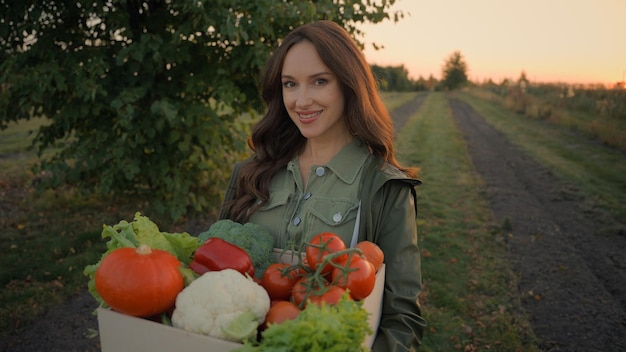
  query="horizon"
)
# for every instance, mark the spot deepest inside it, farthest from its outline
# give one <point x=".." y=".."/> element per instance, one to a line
<point x="560" y="41"/>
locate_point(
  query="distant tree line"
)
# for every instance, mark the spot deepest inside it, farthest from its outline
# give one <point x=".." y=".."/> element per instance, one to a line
<point x="396" y="78"/>
<point x="393" y="78"/>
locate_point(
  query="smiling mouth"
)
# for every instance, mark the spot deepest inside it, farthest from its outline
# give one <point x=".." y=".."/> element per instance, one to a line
<point x="309" y="115"/>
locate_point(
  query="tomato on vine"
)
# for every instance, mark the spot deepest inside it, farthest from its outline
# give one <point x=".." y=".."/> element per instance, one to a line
<point x="300" y="291"/>
<point x="358" y="276"/>
<point x="332" y="295"/>
<point x="278" y="281"/>
<point x="322" y="245"/>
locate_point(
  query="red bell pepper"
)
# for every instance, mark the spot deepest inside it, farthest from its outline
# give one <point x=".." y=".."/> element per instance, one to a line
<point x="216" y="254"/>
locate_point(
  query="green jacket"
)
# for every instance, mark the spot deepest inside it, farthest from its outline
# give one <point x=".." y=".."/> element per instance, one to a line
<point x="388" y="215"/>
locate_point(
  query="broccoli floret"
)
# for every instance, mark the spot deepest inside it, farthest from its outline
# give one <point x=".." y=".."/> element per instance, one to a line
<point x="219" y="226"/>
<point x="251" y="237"/>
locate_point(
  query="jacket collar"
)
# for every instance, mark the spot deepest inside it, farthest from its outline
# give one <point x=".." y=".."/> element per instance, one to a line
<point x="347" y="164"/>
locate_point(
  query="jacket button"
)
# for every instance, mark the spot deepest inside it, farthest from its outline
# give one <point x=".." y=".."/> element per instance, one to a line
<point x="296" y="220"/>
<point x="320" y="171"/>
<point x="307" y="195"/>
<point x="337" y="217"/>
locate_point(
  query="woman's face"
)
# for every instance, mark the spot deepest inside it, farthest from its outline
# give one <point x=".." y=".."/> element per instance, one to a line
<point x="312" y="95"/>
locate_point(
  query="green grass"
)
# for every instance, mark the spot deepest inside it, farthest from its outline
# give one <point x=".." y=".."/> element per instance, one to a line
<point x="589" y="167"/>
<point x="18" y="136"/>
<point x="15" y="147"/>
<point x="396" y="99"/>
<point x="469" y="294"/>
<point x="609" y="130"/>
<point x="46" y="241"/>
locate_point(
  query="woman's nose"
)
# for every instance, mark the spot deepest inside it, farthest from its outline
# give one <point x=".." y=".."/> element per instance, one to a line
<point x="304" y="98"/>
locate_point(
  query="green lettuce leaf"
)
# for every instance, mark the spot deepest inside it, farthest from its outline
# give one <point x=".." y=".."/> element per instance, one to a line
<point x="326" y="328"/>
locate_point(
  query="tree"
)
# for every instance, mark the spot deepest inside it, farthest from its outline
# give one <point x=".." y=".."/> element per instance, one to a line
<point x="148" y="98"/>
<point x="392" y="78"/>
<point x="432" y="82"/>
<point x="454" y="72"/>
<point x="399" y="78"/>
<point x="523" y="82"/>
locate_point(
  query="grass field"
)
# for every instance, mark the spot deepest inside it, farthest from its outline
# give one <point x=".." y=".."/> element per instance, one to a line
<point x="603" y="127"/>
<point x="15" y="148"/>
<point x="469" y="298"/>
<point x="393" y="100"/>
<point x="587" y="165"/>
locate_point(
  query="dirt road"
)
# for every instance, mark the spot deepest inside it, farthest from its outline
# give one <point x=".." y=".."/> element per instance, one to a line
<point x="572" y="271"/>
<point x="571" y="266"/>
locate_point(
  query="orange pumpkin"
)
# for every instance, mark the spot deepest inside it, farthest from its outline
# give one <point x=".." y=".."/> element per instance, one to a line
<point x="139" y="281"/>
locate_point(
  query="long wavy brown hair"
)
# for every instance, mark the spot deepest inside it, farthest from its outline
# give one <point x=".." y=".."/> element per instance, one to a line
<point x="276" y="140"/>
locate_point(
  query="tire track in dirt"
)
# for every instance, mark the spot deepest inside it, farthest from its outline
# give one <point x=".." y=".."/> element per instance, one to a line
<point x="572" y="272"/>
<point x="401" y="114"/>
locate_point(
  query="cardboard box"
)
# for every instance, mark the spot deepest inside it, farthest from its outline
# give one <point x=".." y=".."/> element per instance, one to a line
<point x="120" y="332"/>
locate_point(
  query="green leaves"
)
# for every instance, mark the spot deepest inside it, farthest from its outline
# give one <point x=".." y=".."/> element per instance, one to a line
<point x="165" y="109"/>
<point x="149" y="99"/>
<point x="340" y="327"/>
<point x="454" y="71"/>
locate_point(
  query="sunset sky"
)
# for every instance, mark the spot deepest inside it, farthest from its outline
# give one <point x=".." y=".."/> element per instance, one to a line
<point x="572" y="41"/>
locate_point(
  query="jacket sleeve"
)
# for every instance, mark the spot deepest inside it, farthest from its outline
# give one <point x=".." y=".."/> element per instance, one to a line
<point x="394" y="229"/>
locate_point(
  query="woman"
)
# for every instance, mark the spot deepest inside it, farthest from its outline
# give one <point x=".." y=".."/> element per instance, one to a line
<point x="324" y="161"/>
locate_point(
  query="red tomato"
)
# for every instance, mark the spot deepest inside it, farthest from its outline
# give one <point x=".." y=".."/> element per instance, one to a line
<point x="332" y="296"/>
<point x="278" y="281"/>
<point x="300" y="291"/>
<point x="359" y="278"/>
<point x="281" y="311"/>
<point x="322" y="245"/>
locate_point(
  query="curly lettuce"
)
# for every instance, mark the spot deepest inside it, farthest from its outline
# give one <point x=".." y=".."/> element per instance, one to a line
<point x="325" y="328"/>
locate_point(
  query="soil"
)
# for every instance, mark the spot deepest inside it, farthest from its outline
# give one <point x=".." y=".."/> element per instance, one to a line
<point x="568" y="255"/>
<point x="569" y="259"/>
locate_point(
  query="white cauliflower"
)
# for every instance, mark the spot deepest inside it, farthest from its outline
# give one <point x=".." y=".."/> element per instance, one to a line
<point x="223" y="304"/>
